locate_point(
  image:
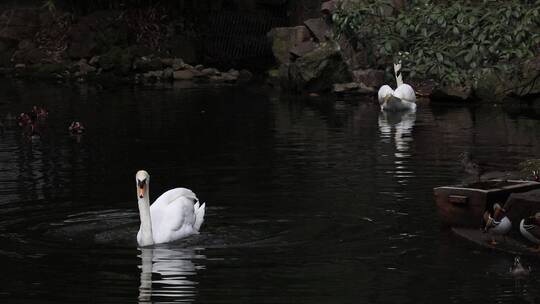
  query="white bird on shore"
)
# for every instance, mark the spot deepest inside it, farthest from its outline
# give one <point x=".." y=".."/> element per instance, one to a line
<point x="174" y="215"/>
<point x="403" y="98"/>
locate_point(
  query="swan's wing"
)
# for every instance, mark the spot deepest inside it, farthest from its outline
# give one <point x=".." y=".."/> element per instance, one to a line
<point x="176" y="220"/>
<point x="171" y="195"/>
<point x="173" y="215"/>
<point x="405" y="92"/>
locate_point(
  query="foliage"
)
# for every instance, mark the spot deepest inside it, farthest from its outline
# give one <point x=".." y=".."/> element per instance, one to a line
<point x="451" y="42"/>
<point x="529" y="166"/>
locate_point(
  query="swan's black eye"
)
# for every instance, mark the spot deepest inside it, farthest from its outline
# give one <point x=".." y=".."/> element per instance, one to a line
<point x="141" y="183"/>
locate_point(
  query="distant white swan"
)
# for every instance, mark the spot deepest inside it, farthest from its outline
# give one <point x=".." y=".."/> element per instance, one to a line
<point x="172" y="216"/>
<point x="403" y="98"/>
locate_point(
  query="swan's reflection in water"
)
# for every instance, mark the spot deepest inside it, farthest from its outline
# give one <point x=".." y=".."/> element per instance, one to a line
<point x="167" y="275"/>
<point x="400" y="125"/>
<point x="396" y="128"/>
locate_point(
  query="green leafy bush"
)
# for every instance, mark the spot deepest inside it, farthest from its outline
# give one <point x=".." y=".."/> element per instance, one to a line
<point x="451" y="42"/>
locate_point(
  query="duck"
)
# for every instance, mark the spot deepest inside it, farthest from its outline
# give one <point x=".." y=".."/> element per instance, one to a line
<point x="403" y="98"/>
<point x="518" y="270"/>
<point x="27" y="124"/>
<point x="530" y="229"/>
<point x="496" y="222"/>
<point x="174" y="215"/>
<point x="76" y="127"/>
<point x="39" y="113"/>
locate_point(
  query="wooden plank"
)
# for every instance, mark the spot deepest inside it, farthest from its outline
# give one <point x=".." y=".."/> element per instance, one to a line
<point x="506" y="244"/>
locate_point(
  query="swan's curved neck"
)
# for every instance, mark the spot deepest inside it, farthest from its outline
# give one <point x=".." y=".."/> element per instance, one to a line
<point x="146" y="221"/>
<point x="397" y="72"/>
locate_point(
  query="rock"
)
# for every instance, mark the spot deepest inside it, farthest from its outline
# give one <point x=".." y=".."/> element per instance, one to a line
<point x="229" y="77"/>
<point x="48" y="70"/>
<point x="318" y="28"/>
<point x="452" y="93"/>
<point x="491" y="87"/>
<point x="352" y="88"/>
<point x="19" y="24"/>
<point x="117" y="59"/>
<point x="183" y="75"/>
<point x="28" y="52"/>
<point x="234" y="73"/>
<point x="244" y="76"/>
<point x="369" y="77"/>
<point x="199" y="67"/>
<point x="167" y="62"/>
<point x="178" y="64"/>
<point x="157" y="74"/>
<point x="529" y="84"/>
<point x="85" y="68"/>
<point x="316" y="71"/>
<point x="303" y="48"/>
<point x="217" y="78"/>
<point x="94" y="61"/>
<point x="285" y="38"/>
<point x="168" y="74"/>
<point x="145" y="64"/>
<point x="82" y="42"/>
<point x="329" y="7"/>
<point x="356" y="59"/>
<point x="209" y="71"/>
<point x="26" y="44"/>
<point x="31" y="55"/>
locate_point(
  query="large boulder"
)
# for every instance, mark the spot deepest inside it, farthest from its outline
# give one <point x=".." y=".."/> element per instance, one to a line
<point x="285" y="38"/>
<point x="529" y="84"/>
<point x="319" y="28"/>
<point x="369" y="77"/>
<point x="19" y="24"/>
<point x="146" y="64"/>
<point x="316" y="71"/>
<point x="28" y="52"/>
<point x="117" y="60"/>
<point x="452" y="93"/>
<point x="329" y="7"/>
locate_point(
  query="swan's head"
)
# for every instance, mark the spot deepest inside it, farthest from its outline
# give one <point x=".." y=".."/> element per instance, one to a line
<point x="142" y="178"/>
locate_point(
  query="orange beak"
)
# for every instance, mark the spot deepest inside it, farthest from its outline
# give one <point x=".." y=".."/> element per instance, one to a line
<point x="140" y="192"/>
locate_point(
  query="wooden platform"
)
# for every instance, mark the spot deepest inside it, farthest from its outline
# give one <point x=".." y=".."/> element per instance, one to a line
<point x="505" y="244"/>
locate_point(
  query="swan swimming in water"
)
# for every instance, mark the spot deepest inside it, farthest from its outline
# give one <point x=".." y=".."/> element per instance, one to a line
<point x="172" y="216"/>
<point x="403" y="98"/>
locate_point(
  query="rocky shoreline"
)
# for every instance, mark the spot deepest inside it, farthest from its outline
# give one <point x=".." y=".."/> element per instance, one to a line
<point x="145" y="46"/>
<point x="313" y="59"/>
<point x="103" y="46"/>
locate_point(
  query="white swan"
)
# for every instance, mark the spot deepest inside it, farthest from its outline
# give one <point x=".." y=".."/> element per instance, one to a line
<point x="403" y="98"/>
<point x="172" y="216"/>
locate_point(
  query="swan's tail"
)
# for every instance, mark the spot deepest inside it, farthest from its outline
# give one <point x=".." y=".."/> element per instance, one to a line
<point x="199" y="215"/>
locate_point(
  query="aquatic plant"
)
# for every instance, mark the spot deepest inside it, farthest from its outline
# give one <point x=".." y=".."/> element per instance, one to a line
<point x="452" y="42"/>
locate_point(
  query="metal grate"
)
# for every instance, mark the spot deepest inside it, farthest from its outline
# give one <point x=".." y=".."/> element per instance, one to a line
<point x="233" y="36"/>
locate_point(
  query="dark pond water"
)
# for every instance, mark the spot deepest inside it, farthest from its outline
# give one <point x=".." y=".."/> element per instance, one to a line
<point x="308" y="200"/>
